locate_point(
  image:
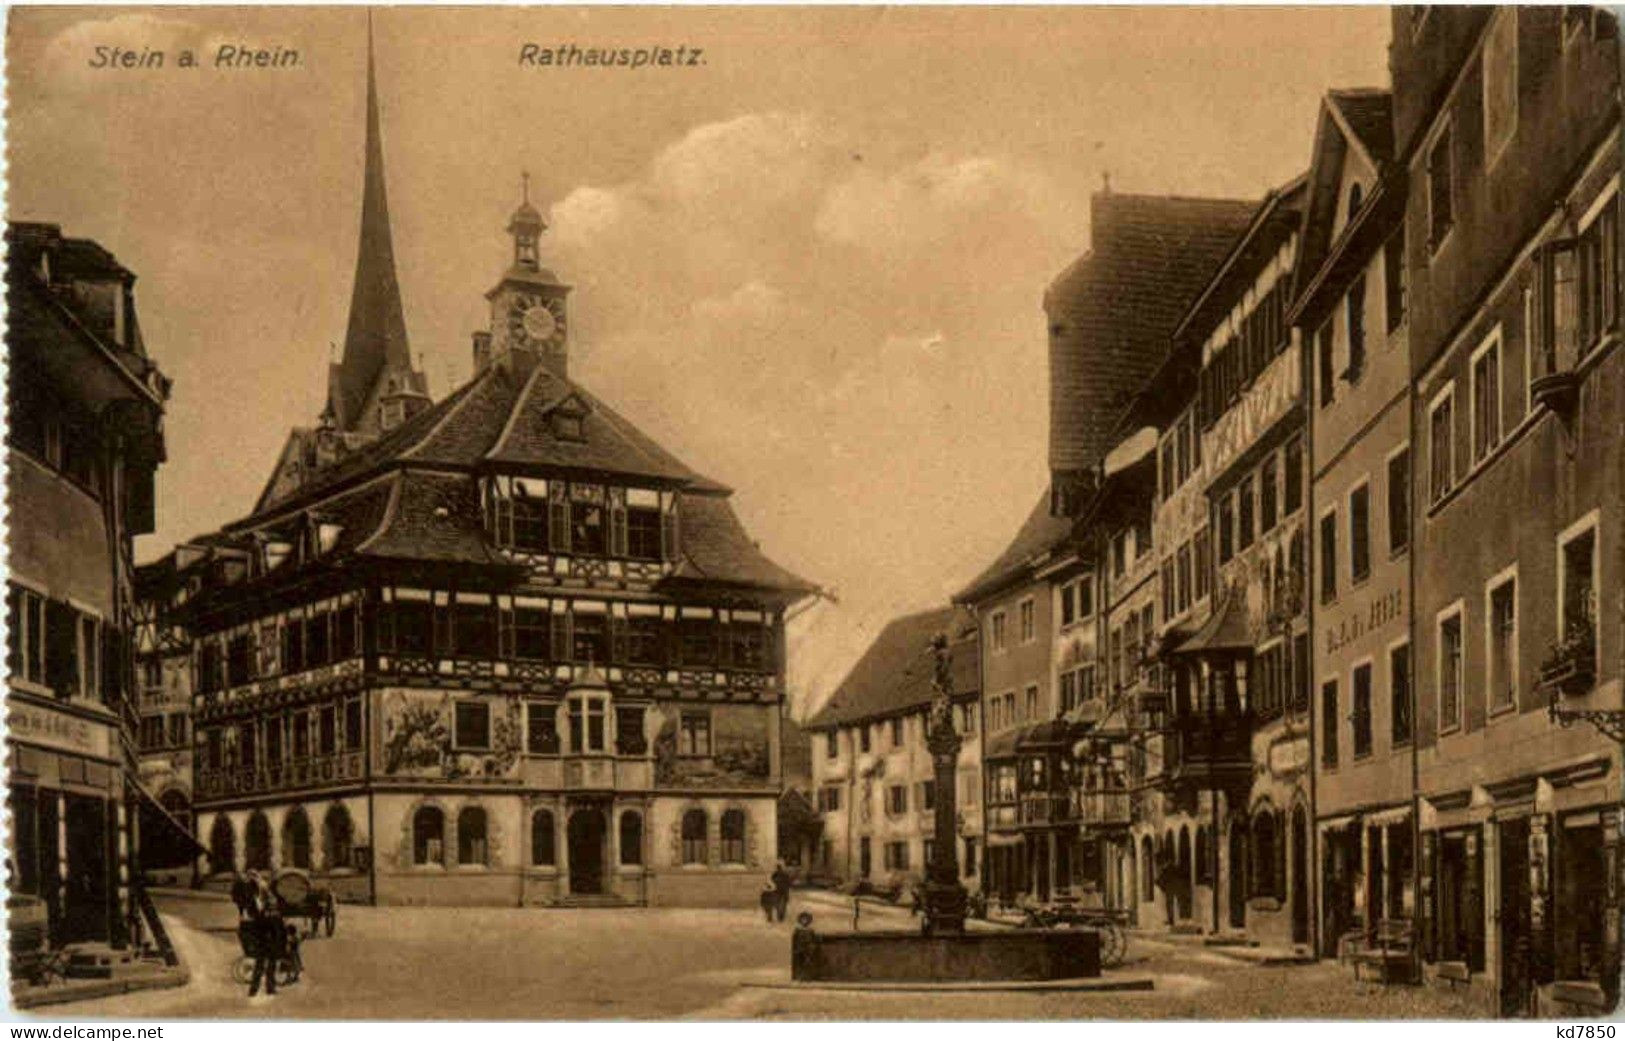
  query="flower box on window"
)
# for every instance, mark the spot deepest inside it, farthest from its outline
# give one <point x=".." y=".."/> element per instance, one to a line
<point x="1571" y="664"/>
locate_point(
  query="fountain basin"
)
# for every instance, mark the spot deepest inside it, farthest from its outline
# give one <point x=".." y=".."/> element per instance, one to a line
<point x="900" y="956"/>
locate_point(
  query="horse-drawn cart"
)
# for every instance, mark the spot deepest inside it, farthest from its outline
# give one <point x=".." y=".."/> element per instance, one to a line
<point x="298" y="897"/>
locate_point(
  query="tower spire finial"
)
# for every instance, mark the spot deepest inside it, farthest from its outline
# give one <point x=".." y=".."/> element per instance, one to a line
<point x="524" y="185"/>
<point x="375" y="339"/>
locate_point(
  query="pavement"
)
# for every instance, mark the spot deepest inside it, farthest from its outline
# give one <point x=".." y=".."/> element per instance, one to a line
<point x="666" y="963"/>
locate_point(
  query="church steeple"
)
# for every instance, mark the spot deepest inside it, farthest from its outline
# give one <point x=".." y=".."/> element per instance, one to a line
<point x="377" y="358"/>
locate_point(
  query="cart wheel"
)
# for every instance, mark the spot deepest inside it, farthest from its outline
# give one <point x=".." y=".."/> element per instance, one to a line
<point x="331" y="919"/>
<point x="242" y="970"/>
<point x="1114" y="944"/>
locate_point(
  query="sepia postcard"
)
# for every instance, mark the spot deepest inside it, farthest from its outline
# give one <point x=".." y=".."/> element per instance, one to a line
<point x="814" y="513"/>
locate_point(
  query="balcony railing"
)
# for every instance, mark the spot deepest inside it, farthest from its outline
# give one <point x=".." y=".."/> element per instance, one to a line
<point x="1105" y="809"/>
<point x="311" y="771"/>
<point x="1046" y="809"/>
<point x="1209" y="749"/>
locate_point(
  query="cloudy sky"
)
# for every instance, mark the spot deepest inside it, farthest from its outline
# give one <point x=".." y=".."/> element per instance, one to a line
<point x="812" y="266"/>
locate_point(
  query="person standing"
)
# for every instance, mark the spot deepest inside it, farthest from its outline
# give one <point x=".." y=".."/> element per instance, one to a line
<point x="781" y="890"/>
<point x="1168" y="881"/>
<point x="269" y="934"/>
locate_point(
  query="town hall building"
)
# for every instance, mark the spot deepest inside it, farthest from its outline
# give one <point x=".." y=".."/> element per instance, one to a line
<point x="500" y="648"/>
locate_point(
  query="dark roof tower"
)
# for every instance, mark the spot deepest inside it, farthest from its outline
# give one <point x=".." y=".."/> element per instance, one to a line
<point x="375" y="343"/>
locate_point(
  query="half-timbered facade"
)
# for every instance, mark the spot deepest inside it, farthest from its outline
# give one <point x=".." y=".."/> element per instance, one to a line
<point x="500" y="648"/>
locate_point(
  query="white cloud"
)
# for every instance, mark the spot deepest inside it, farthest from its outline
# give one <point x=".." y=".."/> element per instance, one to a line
<point x="837" y="335"/>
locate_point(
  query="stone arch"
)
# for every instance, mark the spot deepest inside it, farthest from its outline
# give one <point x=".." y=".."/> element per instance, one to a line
<point x="222" y="846"/>
<point x="693" y="836"/>
<point x="296" y="839"/>
<point x="544" y="839"/>
<point x="423" y="834"/>
<point x="257" y="842"/>
<point x="731" y="830"/>
<point x="473" y="836"/>
<point x="338" y="838"/>
<point x="631" y="838"/>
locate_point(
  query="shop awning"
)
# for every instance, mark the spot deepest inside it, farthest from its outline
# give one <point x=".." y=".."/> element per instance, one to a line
<point x="998" y="838"/>
<point x="165" y="841"/>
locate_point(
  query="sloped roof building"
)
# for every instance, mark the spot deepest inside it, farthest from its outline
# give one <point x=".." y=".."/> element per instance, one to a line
<point x="505" y="632"/>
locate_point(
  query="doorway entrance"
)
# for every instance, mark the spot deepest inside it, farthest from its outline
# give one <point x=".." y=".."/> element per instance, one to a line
<point x="587" y="851"/>
<point x="1238" y="876"/>
<point x="87" y="908"/>
<point x="1516" y="993"/>
<point x="1300" y="876"/>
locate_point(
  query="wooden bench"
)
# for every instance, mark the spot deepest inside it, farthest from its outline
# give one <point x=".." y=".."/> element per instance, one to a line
<point x="1391" y="949"/>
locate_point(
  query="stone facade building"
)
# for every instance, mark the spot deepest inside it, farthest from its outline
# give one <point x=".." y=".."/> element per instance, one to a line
<point x="1351" y="316"/>
<point x="1507" y="121"/>
<point x="873" y="778"/>
<point x="84" y="441"/>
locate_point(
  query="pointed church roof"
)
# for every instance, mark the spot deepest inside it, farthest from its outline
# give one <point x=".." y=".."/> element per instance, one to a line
<point x="375" y="340"/>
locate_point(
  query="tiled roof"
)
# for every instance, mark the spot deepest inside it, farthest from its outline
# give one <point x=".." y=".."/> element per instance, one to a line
<point x="421" y="481"/>
<point x="896" y="673"/>
<point x="1370" y="113"/>
<point x="607" y="443"/>
<point x="1113" y="309"/>
<point x="1039" y="534"/>
<point x="716" y="548"/>
<point x="431" y="517"/>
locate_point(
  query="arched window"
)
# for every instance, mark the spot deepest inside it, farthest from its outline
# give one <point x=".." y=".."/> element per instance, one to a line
<point x="542" y="839"/>
<point x="733" y="837"/>
<point x="631" y="838"/>
<point x="471" y="835"/>
<point x="1263" y="865"/>
<point x="428" y="836"/>
<point x="338" y="838"/>
<point x="296" y="839"/>
<point x="222" y="845"/>
<point x="257" y="843"/>
<point x="694" y="837"/>
<point x="179" y="806"/>
<point x="1147" y="870"/>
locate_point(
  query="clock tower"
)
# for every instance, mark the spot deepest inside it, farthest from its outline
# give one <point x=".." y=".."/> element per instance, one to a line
<point x="529" y="322"/>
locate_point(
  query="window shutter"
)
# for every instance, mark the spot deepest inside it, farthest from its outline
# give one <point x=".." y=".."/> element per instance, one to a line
<point x="558" y="517"/>
<point x="617" y="638"/>
<point x="559" y="624"/>
<point x="61" y="648"/>
<point x="112" y="665"/>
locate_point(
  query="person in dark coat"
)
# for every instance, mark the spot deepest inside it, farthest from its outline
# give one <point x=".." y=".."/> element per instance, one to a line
<point x="1168" y="880"/>
<point x="270" y="936"/>
<point x="781" y="890"/>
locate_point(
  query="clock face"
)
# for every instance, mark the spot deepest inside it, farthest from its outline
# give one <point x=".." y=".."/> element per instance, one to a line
<point x="536" y="322"/>
<point x="539" y="323"/>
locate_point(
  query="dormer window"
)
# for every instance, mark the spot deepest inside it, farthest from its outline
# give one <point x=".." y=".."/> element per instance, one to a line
<point x="567" y="426"/>
<point x="277" y="553"/>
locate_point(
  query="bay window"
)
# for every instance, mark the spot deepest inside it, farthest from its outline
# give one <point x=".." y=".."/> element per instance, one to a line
<point x="588" y="728"/>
